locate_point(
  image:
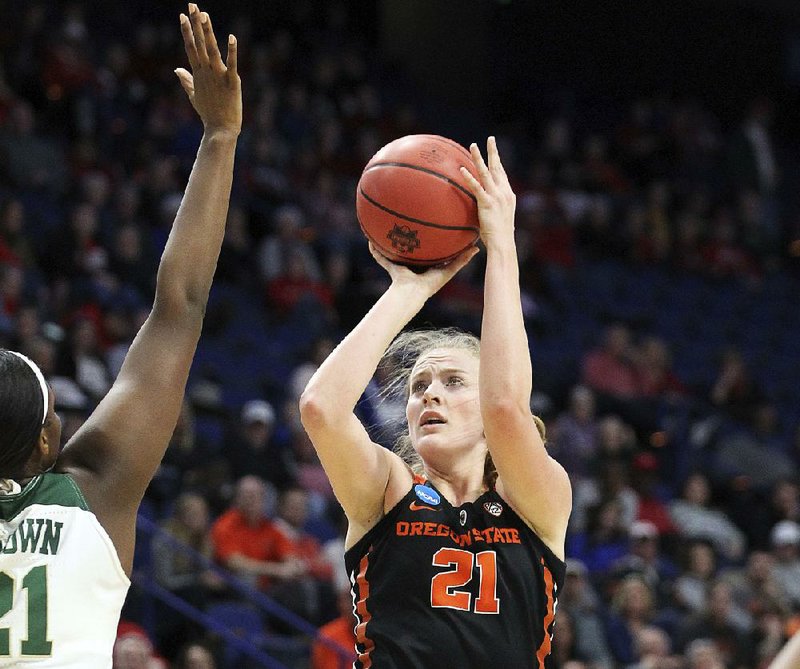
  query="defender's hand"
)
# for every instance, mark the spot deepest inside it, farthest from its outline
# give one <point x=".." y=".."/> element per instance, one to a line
<point x="213" y="87"/>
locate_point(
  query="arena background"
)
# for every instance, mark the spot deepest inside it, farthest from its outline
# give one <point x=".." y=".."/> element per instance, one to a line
<point x="659" y="244"/>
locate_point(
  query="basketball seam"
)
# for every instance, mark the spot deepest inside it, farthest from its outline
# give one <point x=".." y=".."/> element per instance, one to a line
<point x="468" y="228"/>
<point x="438" y="175"/>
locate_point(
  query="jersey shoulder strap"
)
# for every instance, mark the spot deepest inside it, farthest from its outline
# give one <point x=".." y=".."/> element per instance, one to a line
<point x="47" y="489"/>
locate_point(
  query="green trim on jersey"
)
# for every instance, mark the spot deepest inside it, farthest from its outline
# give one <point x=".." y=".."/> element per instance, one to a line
<point x="48" y="489"/>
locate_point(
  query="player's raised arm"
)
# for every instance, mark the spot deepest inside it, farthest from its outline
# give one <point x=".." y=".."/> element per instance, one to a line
<point x="789" y="655"/>
<point x="533" y="483"/>
<point x="114" y="455"/>
<point x="360" y="470"/>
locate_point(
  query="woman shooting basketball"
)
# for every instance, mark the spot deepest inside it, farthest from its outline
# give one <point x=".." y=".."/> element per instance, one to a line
<point x="459" y="563"/>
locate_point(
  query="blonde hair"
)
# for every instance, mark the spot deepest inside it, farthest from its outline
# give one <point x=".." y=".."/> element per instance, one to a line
<point x="399" y="360"/>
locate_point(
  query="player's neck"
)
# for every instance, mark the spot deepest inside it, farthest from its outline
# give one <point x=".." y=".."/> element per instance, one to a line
<point x="457" y="488"/>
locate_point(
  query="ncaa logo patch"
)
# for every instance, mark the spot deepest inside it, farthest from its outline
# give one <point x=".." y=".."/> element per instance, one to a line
<point x="494" y="508"/>
<point x="403" y="238"/>
<point x="426" y="494"/>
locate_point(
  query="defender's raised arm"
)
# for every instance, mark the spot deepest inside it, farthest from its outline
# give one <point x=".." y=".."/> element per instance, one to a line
<point x="114" y="455"/>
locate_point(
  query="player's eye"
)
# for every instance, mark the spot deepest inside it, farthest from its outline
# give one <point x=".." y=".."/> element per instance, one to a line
<point x="417" y="387"/>
<point x="454" y="381"/>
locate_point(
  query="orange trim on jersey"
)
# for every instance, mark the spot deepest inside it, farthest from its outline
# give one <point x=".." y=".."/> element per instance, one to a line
<point x="364" y="616"/>
<point x="419" y="480"/>
<point x="549" y="589"/>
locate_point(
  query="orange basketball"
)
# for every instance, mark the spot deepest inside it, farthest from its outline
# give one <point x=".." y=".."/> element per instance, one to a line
<point x="413" y="203"/>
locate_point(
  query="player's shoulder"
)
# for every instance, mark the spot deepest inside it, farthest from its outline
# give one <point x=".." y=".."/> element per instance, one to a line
<point x="401" y="478"/>
<point x="49" y="489"/>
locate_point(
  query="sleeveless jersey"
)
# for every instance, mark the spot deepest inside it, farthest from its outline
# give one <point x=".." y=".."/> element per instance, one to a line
<point x="61" y="582"/>
<point x="468" y="587"/>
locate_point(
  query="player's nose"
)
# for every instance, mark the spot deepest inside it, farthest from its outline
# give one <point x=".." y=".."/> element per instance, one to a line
<point x="431" y="394"/>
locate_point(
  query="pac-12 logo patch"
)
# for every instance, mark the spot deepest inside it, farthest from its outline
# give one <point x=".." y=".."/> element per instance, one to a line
<point x="427" y="495"/>
<point x="462" y="517"/>
<point x="495" y="508"/>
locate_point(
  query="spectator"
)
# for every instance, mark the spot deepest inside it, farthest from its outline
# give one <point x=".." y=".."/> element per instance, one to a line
<point x="288" y="242"/>
<point x="312" y="593"/>
<point x="576" y="434"/>
<point x="704" y="654"/>
<point x="133" y="650"/>
<point x="611" y="480"/>
<point x="248" y="543"/>
<point x="15" y="245"/>
<point x="339" y="652"/>
<point x="645" y="558"/>
<point x="718" y="623"/>
<point x="603" y="541"/>
<point x="785" y="538"/>
<point x="745" y="452"/>
<point x="320" y="349"/>
<point x="295" y="289"/>
<point x="31" y="161"/>
<point x="784" y="502"/>
<point x="83" y="360"/>
<point x="754" y="585"/>
<point x="609" y="369"/>
<point x="132" y="261"/>
<point x="236" y="263"/>
<point x="583" y="603"/>
<point x="752" y="162"/>
<point x="75" y="252"/>
<point x="633" y="607"/>
<point x="695" y="519"/>
<point x="692" y="586"/>
<point x="734" y="389"/>
<point x="254" y="449"/>
<point x="565" y="651"/>
<point x="179" y="571"/>
<point x="183" y="464"/>
<point x="652" y="506"/>
<point x="654" y="370"/>
<point x="654" y="649"/>
<point x="195" y="655"/>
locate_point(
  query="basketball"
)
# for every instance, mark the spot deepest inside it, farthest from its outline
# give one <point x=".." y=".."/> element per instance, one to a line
<point x="413" y="203"/>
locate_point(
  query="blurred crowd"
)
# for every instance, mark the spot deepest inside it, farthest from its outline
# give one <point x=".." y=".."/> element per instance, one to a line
<point x="658" y="267"/>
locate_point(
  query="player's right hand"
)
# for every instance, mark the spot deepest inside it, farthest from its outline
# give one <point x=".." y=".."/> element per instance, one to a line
<point x="429" y="281"/>
<point x="213" y="87"/>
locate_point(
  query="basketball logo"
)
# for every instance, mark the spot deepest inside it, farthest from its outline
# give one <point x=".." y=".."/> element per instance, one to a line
<point x="494" y="508"/>
<point x="403" y="239"/>
<point x="431" y="155"/>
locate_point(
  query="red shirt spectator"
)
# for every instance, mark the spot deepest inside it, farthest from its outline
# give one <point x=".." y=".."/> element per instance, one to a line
<point x="246" y="541"/>
<point x="341" y="632"/>
<point x="609" y="369"/>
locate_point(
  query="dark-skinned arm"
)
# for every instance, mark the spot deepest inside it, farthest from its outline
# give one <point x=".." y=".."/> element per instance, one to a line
<point x="114" y="455"/>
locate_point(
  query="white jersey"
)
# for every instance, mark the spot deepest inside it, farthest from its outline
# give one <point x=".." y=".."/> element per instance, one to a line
<point x="61" y="582"/>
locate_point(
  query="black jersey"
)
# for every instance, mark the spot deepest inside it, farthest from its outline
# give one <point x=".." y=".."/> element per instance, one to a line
<point x="468" y="587"/>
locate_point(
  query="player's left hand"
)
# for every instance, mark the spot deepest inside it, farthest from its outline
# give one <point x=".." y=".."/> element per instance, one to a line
<point x="496" y="200"/>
